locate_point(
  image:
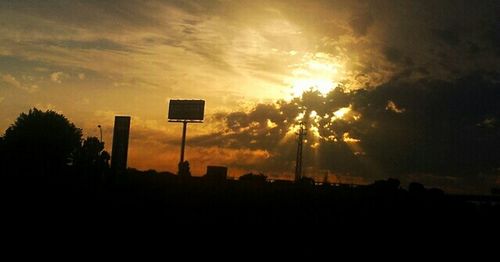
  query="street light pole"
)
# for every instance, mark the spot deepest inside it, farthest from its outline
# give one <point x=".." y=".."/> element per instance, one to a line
<point x="100" y="129"/>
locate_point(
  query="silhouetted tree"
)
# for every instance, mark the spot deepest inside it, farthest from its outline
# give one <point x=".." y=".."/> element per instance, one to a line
<point x="416" y="188"/>
<point x="40" y="142"/>
<point x="91" y="157"/>
<point x="390" y="185"/>
<point x="3" y="156"/>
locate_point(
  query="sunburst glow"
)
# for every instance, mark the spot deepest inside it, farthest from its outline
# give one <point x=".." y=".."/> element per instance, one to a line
<point x="339" y="114"/>
<point x="319" y="72"/>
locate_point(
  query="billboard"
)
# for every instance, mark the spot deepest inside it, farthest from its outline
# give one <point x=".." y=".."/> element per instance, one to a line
<point x="186" y="110"/>
<point x="120" y="144"/>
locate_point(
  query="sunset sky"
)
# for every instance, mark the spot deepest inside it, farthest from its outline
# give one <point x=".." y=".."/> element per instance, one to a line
<point x="405" y="89"/>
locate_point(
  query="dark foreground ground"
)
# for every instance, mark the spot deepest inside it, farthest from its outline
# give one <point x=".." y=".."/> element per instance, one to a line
<point x="163" y="200"/>
<point x="147" y="212"/>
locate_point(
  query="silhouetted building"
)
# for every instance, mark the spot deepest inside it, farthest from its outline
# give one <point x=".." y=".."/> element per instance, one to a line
<point x="184" y="170"/>
<point x="120" y="144"/>
<point x="216" y="172"/>
<point x="259" y="178"/>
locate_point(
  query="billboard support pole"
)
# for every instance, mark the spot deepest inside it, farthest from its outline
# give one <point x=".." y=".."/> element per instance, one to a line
<point x="185" y="111"/>
<point x="183" y="143"/>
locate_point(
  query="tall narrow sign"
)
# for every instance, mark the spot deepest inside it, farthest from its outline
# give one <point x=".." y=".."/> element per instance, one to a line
<point x="120" y="144"/>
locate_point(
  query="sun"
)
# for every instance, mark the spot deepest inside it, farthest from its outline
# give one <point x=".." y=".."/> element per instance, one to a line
<point x="319" y="72"/>
<point x="322" y="85"/>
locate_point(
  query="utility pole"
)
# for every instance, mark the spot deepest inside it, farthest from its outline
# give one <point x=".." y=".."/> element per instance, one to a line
<point x="298" y="161"/>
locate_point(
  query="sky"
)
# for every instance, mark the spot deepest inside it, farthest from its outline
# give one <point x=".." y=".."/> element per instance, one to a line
<point x="388" y="88"/>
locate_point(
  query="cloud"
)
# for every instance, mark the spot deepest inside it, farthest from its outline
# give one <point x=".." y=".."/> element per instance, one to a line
<point x="12" y="81"/>
<point x="393" y="54"/>
<point x="96" y="44"/>
<point x="360" y="22"/>
<point x="153" y="145"/>
<point x="236" y="40"/>
<point x="399" y="60"/>
<point x="394" y="108"/>
<point x="57" y="77"/>
<point x="449" y="36"/>
<point x="443" y="128"/>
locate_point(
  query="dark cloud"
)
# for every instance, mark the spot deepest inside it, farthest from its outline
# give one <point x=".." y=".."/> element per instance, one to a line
<point x="473" y="48"/>
<point x="449" y="36"/>
<point x="96" y="15"/>
<point x="430" y="58"/>
<point x="196" y="7"/>
<point x="439" y="131"/>
<point x="13" y="63"/>
<point x="360" y="22"/>
<point x="490" y="31"/>
<point x="393" y="54"/>
<point x="444" y="128"/>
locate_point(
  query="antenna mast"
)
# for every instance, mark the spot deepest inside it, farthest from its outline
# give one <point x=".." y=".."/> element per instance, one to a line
<point x="298" y="162"/>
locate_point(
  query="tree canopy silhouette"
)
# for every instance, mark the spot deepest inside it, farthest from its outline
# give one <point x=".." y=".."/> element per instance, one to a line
<point x="91" y="156"/>
<point x="40" y="142"/>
